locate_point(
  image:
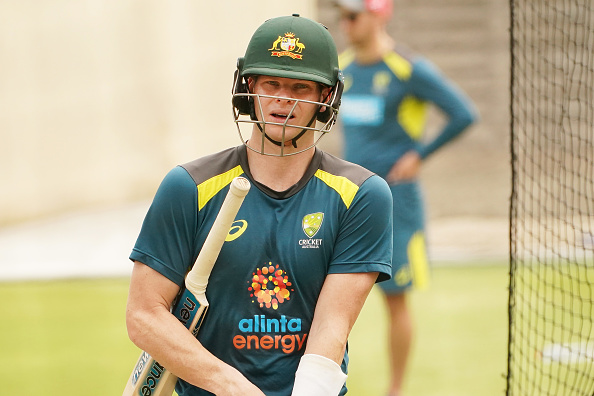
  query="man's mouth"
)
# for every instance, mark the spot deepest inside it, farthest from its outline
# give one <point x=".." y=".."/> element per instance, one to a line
<point x="282" y="116"/>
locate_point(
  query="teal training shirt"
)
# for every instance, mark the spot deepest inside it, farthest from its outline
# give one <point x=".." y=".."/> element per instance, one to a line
<point x="265" y="284"/>
<point x="383" y="110"/>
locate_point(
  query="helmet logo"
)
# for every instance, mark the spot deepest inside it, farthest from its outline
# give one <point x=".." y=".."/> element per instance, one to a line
<point x="289" y="46"/>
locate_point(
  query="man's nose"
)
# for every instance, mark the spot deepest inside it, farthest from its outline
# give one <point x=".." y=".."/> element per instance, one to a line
<point x="285" y="94"/>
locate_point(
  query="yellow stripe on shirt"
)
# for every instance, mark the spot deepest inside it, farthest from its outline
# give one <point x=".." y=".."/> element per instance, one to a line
<point x="210" y="187"/>
<point x="346" y="58"/>
<point x="412" y="116"/>
<point x="401" y="67"/>
<point x="346" y="188"/>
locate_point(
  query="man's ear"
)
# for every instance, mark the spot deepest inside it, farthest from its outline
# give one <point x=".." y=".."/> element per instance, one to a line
<point x="326" y="94"/>
<point x="251" y="81"/>
<point x="325" y="97"/>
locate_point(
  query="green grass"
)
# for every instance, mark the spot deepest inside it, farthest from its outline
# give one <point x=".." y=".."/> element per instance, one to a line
<point x="554" y="307"/>
<point x="64" y="338"/>
<point x="69" y="338"/>
<point x="460" y="345"/>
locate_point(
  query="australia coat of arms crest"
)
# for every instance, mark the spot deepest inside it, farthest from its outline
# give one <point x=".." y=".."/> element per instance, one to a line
<point x="287" y="45"/>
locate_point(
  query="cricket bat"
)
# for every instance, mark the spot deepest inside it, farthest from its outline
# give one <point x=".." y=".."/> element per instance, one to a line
<point x="149" y="378"/>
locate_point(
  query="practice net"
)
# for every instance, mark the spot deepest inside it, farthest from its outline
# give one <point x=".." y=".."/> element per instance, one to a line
<point x="551" y="295"/>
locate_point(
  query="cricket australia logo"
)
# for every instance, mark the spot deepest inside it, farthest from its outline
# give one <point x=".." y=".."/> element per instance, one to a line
<point x="288" y="45"/>
<point x="311" y="224"/>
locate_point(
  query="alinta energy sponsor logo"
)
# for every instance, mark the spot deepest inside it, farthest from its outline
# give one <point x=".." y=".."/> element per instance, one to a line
<point x="262" y="332"/>
<point x="311" y="224"/>
<point x="270" y="286"/>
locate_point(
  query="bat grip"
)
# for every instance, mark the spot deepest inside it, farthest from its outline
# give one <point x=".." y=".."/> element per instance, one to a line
<point x="197" y="279"/>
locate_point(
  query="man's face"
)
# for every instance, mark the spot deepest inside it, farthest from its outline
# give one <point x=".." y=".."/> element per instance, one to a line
<point x="357" y="26"/>
<point x="281" y="102"/>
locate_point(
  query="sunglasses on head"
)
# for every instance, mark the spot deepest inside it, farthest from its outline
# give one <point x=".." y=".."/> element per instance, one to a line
<point x="350" y="16"/>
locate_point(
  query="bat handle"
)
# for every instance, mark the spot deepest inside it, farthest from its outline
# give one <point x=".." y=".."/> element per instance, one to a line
<point x="197" y="279"/>
<point x="240" y="186"/>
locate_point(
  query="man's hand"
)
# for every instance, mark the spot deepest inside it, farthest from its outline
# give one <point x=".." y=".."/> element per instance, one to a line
<point x="406" y="168"/>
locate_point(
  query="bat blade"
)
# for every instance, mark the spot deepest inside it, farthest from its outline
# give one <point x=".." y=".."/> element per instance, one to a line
<point x="149" y="378"/>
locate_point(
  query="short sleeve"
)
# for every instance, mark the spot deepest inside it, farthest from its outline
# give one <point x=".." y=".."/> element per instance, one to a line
<point x="364" y="242"/>
<point x="166" y="239"/>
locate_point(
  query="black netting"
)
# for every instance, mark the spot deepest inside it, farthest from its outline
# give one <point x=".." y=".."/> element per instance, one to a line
<point x="551" y="313"/>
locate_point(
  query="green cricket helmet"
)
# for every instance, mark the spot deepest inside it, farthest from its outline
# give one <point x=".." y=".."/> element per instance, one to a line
<point x="291" y="47"/>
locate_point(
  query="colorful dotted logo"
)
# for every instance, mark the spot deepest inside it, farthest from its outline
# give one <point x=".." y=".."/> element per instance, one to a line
<point x="270" y="286"/>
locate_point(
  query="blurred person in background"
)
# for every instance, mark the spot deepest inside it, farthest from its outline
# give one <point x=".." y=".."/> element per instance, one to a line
<point x="383" y="114"/>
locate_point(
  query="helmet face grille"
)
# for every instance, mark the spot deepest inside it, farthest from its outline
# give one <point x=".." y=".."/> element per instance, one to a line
<point x="245" y="125"/>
